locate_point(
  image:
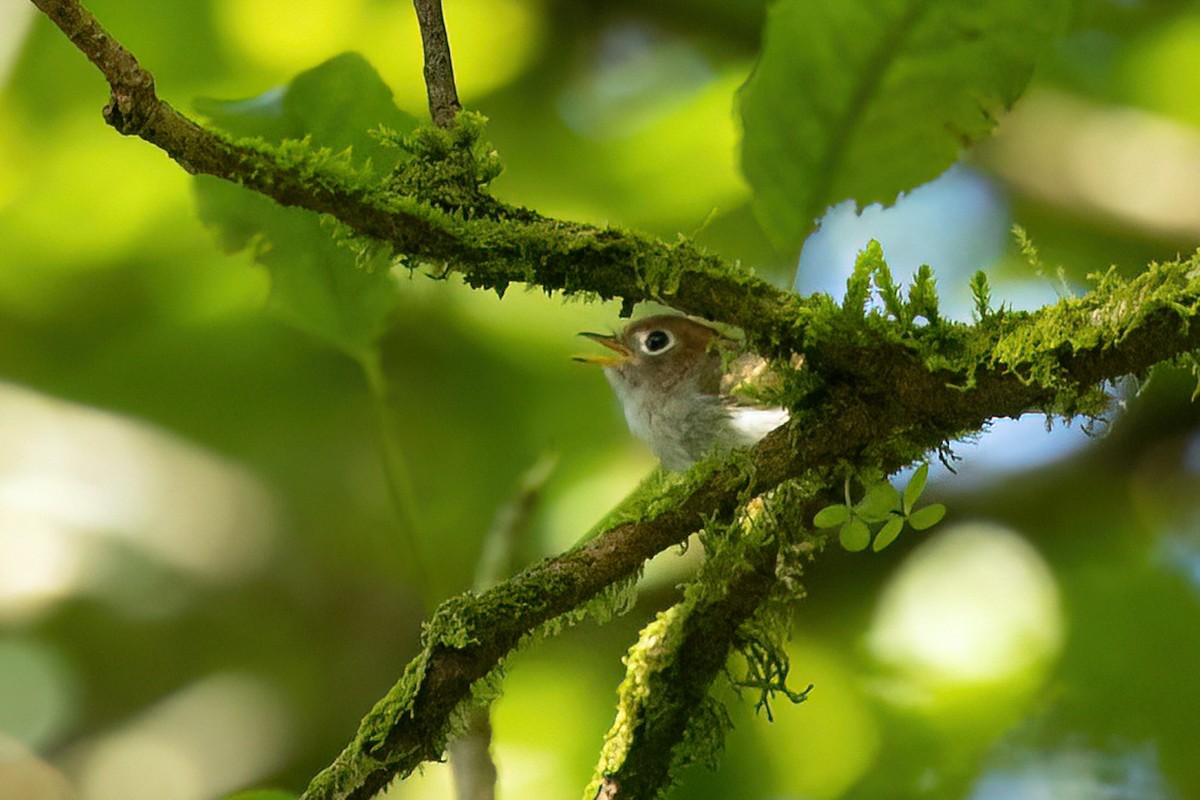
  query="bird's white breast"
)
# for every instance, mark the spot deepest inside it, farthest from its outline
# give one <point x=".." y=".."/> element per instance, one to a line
<point x="684" y="425"/>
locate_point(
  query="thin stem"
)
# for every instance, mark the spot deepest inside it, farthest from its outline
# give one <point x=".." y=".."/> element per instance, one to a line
<point x="498" y="561"/>
<point x="470" y="754"/>
<point x="471" y="758"/>
<point x="439" y="71"/>
<point x="398" y="478"/>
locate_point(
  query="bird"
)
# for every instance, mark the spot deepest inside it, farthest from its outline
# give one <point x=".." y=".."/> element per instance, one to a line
<point x="669" y="375"/>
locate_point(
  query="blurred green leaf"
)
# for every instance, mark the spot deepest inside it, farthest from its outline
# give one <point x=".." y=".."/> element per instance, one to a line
<point x="317" y="285"/>
<point x="831" y="516"/>
<point x="927" y="517"/>
<point x="916" y="485"/>
<point x="864" y="99"/>
<point x="340" y="292"/>
<point x="337" y="103"/>
<point x="855" y="535"/>
<point x="888" y="533"/>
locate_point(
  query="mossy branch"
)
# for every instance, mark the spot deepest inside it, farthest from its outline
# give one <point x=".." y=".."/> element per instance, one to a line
<point x="883" y="413"/>
<point x="491" y="247"/>
<point x="666" y="718"/>
<point x="877" y="392"/>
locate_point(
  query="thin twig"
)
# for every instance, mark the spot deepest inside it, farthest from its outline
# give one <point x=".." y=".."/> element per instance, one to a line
<point x="398" y="479"/>
<point x="471" y="761"/>
<point x="501" y="546"/>
<point x="134" y="101"/>
<point x="439" y="71"/>
<point x="471" y="758"/>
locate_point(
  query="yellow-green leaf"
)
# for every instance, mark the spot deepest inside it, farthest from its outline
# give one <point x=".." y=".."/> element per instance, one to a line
<point x="855" y="535"/>
<point x="831" y="516"/>
<point x="927" y="517"/>
<point x="888" y="533"/>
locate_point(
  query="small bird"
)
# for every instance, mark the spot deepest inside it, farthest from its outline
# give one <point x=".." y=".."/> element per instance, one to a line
<point x="667" y="372"/>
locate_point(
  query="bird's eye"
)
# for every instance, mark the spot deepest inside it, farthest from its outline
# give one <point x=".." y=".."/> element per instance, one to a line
<point x="657" y="341"/>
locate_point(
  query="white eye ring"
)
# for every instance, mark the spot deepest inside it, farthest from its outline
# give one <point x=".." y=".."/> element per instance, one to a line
<point x="656" y="342"/>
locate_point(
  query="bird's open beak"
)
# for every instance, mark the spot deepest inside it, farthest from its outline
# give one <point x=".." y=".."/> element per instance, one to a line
<point x="623" y="353"/>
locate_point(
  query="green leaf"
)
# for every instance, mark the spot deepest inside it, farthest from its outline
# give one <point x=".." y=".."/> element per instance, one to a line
<point x="888" y="533"/>
<point x="317" y="285"/>
<point x="831" y="516"/>
<point x="927" y="517"/>
<point x="916" y="485"/>
<point x="882" y="499"/>
<point x="340" y="292"/>
<point x="864" y="99"/>
<point x="855" y="535"/>
<point x="337" y="103"/>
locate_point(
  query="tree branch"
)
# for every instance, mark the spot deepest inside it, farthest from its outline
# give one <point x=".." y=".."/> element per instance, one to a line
<point x="491" y="250"/>
<point x="439" y="71"/>
<point x="665" y="717"/>
<point x="884" y="415"/>
<point x="742" y="599"/>
<point x="877" y="392"/>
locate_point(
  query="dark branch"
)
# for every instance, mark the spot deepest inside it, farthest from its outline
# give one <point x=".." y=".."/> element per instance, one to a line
<point x="439" y="71"/>
<point x="133" y="97"/>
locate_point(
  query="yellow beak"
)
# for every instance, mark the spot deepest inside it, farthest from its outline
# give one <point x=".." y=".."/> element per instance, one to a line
<point x="623" y="353"/>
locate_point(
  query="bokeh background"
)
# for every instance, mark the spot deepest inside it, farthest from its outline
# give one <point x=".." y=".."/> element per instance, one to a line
<point x="203" y="580"/>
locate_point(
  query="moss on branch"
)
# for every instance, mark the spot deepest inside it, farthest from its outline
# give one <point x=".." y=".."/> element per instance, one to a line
<point x="885" y="396"/>
<point x="666" y="715"/>
<point x="879" y="390"/>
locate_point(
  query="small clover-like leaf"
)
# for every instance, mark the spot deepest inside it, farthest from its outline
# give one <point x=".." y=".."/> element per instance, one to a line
<point x="916" y="485"/>
<point x="888" y="533"/>
<point x="927" y="517"/>
<point x="855" y="535"/>
<point x="831" y="516"/>
<point x="881" y="500"/>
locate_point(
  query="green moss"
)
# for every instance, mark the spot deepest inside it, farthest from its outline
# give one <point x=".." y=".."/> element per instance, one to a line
<point x="856" y="349"/>
<point x="449" y="168"/>
<point x="663" y="683"/>
<point x="1034" y="345"/>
